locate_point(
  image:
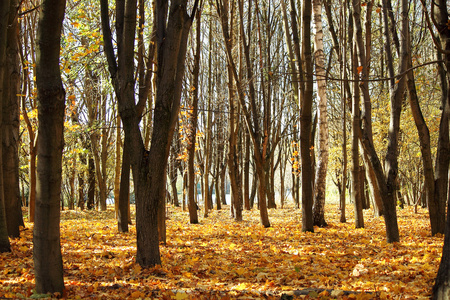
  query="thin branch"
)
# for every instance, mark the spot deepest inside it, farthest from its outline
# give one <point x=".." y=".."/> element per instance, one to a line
<point x="381" y="79"/>
<point x="29" y="10"/>
<point x="433" y="36"/>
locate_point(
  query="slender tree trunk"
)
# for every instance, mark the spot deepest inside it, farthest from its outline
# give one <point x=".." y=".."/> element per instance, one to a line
<point x="437" y="215"/>
<point x="81" y="176"/>
<point x="208" y="135"/>
<point x="173" y="174"/>
<point x="251" y="119"/>
<point x="91" y="184"/>
<point x="306" y="101"/>
<point x="124" y="192"/>
<point x="391" y="163"/>
<point x="356" y="182"/>
<point x="193" y="118"/>
<point x="4" y="10"/>
<point x="32" y="181"/>
<point x="322" y="165"/>
<point x="363" y="53"/>
<point x="94" y="102"/>
<point x="247" y="172"/>
<point x="48" y="267"/>
<point x="117" y="167"/>
<point x="342" y="200"/>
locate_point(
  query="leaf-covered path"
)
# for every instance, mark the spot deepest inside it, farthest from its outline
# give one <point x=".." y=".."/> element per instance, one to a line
<point x="223" y="259"/>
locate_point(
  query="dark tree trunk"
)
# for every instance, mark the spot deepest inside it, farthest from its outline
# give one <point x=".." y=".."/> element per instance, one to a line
<point x="246" y="171"/>
<point x="124" y="192"/>
<point x="149" y="167"/>
<point x="306" y="101"/>
<point x="4" y="11"/>
<point x="48" y="267"/>
<point x="437" y="202"/>
<point x="193" y="118"/>
<point x="441" y="288"/>
<point x="173" y="181"/>
<point x="435" y="206"/>
<point x="81" y="175"/>
<point x="91" y="184"/>
<point x="10" y="127"/>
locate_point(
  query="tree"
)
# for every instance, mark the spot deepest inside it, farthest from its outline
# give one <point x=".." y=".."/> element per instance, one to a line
<point x="439" y="11"/>
<point x="386" y="177"/>
<point x="250" y="113"/>
<point x="10" y="126"/>
<point x="148" y="167"/>
<point x="192" y="131"/>
<point x="306" y="101"/>
<point x="321" y="170"/>
<point x="51" y="100"/>
<point x="4" y="11"/>
<point x="29" y="110"/>
<point x="356" y="132"/>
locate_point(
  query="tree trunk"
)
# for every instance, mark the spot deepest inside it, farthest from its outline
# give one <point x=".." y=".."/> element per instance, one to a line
<point x="356" y="182"/>
<point x="81" y="176"/>
<point x="4" y="10"/>
<point x="442" y="165"/>
<point x="117" y="168"/>
<point x="306" y="101"/>
<point x="91" y="184"/>
<point x="246" y="171"/>
<point x="251" y="118"/>
<point x="26" y="86"/>
<point x="48" y="267"/>
<point x="192" y="135"/>
<point x="322" y="149"/>
<point x="94" y="103"/>
<point x="149" y="167"/>
<point x="342" y="195"/>
<point x="10" y="127"/>
<point x="441" y="288"/>
<point x="437" y="214"/>
<point x="124" y="192"/>
<point x="173" y="174"/>
<point x="391" y="163"/>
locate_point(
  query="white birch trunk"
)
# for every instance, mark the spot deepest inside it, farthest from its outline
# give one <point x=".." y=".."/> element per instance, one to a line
<point x="322" y="145"/>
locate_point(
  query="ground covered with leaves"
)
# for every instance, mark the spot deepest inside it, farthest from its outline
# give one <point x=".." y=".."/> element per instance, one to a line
<point x="223" y="259"/>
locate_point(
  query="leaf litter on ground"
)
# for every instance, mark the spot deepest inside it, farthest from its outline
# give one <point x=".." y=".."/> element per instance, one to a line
<point x="224" y="259"/>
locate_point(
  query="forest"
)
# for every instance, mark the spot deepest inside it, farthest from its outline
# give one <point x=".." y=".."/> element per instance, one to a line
<point x="222" y="149"/>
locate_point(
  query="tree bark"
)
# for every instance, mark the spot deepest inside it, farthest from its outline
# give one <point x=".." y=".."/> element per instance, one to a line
<point x="441" y="288"/>
<point x="149" y="167"/>
<point x="322" y="149"/>
<point x="4" y="11"/>
<point x="48" y="267"/>
<point x="436" y="211"/>
<point x="124" y="192"/>
<point x="306" y="100"/>
<point x="356" y="182"/>
<point x="117" y="167"/>
<point x="90" y="203"/>
<point x="192" y="132"/>
<point x="10" y="126"/>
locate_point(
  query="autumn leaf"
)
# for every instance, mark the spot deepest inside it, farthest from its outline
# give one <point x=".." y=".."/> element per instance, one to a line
<point x="181" y="296"/>
<point x="223" y="257"/>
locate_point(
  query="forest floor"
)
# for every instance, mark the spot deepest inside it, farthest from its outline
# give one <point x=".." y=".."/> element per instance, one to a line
<point x="223" y="259"/>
